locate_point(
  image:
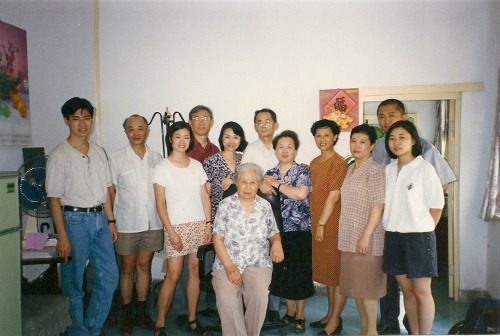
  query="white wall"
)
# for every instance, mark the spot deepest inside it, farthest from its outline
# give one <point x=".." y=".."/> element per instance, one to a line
<point x="238" y="56"/>
<point x="60" y="65"/>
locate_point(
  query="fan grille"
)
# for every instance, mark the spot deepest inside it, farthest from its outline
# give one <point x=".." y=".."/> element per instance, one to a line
<point x="32" y="194"/>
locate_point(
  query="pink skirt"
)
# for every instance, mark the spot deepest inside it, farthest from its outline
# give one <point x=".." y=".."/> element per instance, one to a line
<point x="192" y="235"/>
<point x="362" y="276"/>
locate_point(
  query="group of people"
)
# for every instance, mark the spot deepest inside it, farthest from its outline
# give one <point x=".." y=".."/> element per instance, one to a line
<point x="276" y="225"/>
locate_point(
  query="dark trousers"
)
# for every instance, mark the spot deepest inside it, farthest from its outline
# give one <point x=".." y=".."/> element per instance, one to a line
<point x="389" y="304"/>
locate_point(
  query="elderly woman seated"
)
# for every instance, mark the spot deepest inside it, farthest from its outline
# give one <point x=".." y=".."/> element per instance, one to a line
<point x="243" y="228"/>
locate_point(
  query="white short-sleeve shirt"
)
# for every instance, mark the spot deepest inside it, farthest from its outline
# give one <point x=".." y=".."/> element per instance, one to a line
<point x="182" y="190"/>
<point x="134" y="206"/>
<point x="77" y="179"/>
<point x="410" y="195"/>
<point x="256" y="152"/>
<point x="429" y="152"/>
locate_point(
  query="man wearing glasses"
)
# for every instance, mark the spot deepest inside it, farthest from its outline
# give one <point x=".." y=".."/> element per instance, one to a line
<point x="261" y="152"/>
<point x="201" y="120"/>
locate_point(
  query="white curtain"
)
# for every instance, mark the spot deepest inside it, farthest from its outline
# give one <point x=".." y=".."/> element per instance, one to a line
<point x="491" y="200"/>
<point x="440" y="134"/>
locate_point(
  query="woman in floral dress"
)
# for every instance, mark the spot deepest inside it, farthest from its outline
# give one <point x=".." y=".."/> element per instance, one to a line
<point x="292" y="279"/>
<point x="221" y="167"/>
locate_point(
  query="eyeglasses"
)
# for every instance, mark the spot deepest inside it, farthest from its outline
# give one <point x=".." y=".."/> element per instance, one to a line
<point x="198" y="118"/>
<point x="262" y="124"/>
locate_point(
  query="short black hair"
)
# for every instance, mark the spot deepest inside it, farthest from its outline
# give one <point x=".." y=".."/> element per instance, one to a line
<point x="399" y="105"/>
<point x="287" y="134"/>
<point x="238" y="130"/>
<point x="265" y="110"/>
<point x="74" y="104"/>
<point x="178" y="125"/>
<point x="366" y="129"/>
<point x="137" y="116"/>
<point x="416" y="149"/>
<point x="199" y="108"/>
<point x="322" y="123"/>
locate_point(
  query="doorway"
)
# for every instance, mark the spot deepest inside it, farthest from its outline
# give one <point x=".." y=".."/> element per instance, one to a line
<point x="452" y="93"/>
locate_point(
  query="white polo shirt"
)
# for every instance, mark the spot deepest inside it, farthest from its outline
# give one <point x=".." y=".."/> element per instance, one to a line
<point x="409" y="195"/>
<point x="256" y="152"/>
<point x="77" y="179"/>
<point x="429" y="152"/>
<point x="134" y="207"/>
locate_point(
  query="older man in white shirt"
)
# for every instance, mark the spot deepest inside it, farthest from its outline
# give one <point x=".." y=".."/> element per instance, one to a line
<point x="140" y="232"/>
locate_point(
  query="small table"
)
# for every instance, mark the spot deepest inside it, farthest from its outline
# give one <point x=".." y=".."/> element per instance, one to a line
<point x="46" y="256"/>
<point x="44" y="311"/>
<point x="48" y="281"/>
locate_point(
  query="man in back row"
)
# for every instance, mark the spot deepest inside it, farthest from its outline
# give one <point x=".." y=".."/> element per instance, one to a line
<point x="261" y="152"/>
<point x="201" y="120"/>
<point x="388" y="112"/>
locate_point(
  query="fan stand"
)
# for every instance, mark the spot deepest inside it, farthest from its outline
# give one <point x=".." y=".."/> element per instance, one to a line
<point x="165" y="123"/>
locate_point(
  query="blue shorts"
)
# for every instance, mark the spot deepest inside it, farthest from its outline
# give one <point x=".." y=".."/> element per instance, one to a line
<point x="413" y="254"/>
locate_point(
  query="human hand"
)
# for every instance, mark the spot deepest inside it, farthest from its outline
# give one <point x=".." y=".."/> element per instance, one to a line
<point x="277" y="254"/>
<point x="318" y="235"/>
<point x="63" y="248"/>
<point x="208" y="234"/>
<point x="271" y="180"/>
<point x="233" y="274"/>
<point x="362" y="246"/>
<point x="226" y="183"/>
<point x="176" y="241"/>
<point x="266" y="188"/>
<point x="114" y="232"/>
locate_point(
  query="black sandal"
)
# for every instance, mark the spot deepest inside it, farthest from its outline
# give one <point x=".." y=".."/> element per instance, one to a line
<point x="160" y="331"/>
<point x="287" y="319"/>
<point x="199" y="329"/>
<point x="300" y="326"/>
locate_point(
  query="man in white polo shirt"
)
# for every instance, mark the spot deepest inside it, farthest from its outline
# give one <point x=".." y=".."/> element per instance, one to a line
<point x="77" y="184"/>
<point x="261" y="152"/>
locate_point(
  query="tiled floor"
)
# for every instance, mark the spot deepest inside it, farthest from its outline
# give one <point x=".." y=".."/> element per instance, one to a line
<point x="448" y="312"/>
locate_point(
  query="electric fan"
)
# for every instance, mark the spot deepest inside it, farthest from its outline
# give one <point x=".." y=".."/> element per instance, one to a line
<point x="32" y="195"/>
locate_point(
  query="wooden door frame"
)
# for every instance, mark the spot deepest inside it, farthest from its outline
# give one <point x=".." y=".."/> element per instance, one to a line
<point x="453" y="94"/>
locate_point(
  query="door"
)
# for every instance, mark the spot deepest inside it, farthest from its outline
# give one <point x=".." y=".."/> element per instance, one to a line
<point x="451" y="93"/>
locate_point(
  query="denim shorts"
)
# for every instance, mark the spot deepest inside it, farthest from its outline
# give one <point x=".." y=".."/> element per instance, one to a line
<point x="413" y="254"/>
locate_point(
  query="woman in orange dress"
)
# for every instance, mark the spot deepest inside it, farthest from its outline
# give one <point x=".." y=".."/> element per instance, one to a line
<point x="327" y="172"/>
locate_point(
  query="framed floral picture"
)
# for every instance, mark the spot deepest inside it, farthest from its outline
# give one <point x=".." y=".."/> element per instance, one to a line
<point x="15" y="126"/>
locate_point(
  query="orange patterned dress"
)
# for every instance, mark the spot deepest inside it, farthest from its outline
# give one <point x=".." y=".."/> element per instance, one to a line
<point x="326" y="176"/>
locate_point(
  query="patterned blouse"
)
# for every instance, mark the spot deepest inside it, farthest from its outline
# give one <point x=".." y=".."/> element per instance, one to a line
<point x="296" y="213"/>
<point x="245" y="238"/>
<point x="363" y="188"/>
<point x="217" y="170"/>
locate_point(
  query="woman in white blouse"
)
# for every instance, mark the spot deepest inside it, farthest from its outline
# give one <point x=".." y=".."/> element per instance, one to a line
<point x="183" y="204"/>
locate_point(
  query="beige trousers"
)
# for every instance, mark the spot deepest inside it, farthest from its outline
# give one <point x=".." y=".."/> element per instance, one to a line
<point x="230" y="298"/>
